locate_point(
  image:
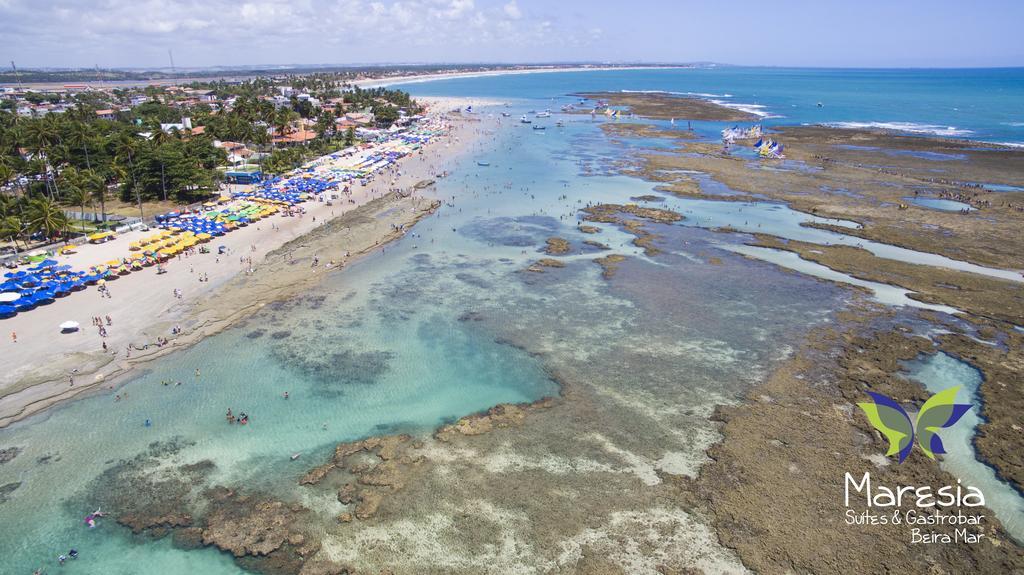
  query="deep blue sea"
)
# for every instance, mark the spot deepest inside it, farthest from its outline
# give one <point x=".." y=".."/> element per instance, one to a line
<point x="981" y="104"/>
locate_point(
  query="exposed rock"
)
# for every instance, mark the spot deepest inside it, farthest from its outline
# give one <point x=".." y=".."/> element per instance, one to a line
<point x="316" y="474"/>
<point x="249" y="527"/>
<point x="347" y="494"/>
<point x="545" y="263"/>
<point x="557" y="246"/>
<point x="499" y="416"/>
<point x="610" y="263"/>
<point x="188" y="538"/>
<point x="369" y="501"/>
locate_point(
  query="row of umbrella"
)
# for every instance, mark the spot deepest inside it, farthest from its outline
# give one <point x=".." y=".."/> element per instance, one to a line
<point x="40" y="285"/>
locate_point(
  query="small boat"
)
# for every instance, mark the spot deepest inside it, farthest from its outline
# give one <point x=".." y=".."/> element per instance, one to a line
<point x="538" y="127"/>
<point x="484" y="164"/>
<point x="525" y="120"/>
<point x="296" y="456"/>
<point x="544" y="114"/>
<point x="505" y="114"/>
<point x="560" y="124"/>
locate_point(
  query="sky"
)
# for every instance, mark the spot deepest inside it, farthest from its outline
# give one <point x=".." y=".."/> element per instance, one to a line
<point x="201" y="33"/>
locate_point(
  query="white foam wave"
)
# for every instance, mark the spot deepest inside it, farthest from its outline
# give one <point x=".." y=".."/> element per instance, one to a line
<point x="1014" y="124"/>
<point x="755" y="109"/>
<point x="908" y="127"/>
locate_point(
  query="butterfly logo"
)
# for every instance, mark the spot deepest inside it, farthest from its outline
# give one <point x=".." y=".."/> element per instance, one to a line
<point x="940" y="411"/>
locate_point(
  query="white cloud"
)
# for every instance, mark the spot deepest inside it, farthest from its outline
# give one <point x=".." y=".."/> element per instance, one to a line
<point x="224" y="32"/>
<point x="512" y="10"/>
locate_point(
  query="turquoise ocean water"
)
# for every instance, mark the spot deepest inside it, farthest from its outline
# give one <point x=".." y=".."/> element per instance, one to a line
<point x="982" y="104"/>
<point x="446" y="323"/>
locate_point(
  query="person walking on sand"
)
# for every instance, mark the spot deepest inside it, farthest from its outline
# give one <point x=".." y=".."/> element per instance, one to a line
<point x="14" y="337"/>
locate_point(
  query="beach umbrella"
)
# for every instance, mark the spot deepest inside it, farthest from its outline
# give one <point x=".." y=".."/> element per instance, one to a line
<point x="9" y="296"/>
<point x="69" y="326"/>
<point x="25" y="303"/>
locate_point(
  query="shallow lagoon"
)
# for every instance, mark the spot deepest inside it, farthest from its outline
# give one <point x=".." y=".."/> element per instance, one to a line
<point x="941" y="371"/>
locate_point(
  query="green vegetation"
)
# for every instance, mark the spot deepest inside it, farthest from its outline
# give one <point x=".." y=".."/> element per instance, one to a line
<point x="75" y="160"/>
<point x="78" y="160"/>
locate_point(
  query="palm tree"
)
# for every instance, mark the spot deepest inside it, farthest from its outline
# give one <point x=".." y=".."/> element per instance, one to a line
<point x="42" y="137"/>
<point x="158" y="140"/>
<point x="10" y="223"/>
<point x="44" y="215"/>
<point x="80" y="137"/>
<point x="124" y="148"/>
<point x="75" y="193"/>
<point x="96" y="187"/>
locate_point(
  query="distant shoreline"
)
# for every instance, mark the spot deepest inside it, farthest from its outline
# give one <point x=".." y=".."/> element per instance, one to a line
<point x="365" y="82"/>
<point x="423" y="78"/>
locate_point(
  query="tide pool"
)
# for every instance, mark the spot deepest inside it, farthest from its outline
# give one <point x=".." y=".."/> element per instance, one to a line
<point x="939" y="204"/>
<point x="940" y="371"/>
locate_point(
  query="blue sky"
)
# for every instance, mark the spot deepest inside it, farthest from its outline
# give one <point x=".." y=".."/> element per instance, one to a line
<point x="897" y="33"/>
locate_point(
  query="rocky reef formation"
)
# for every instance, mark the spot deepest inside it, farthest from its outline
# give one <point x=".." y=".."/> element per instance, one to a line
<point x="669" y="106"/>
<point x="264" y="534"/>
<point x="793" y="441"/>
<point x="557" y="246"/>
<point x="539" y="265"/>
<point x="371" y="469"/>
<point x="610" y="264"/>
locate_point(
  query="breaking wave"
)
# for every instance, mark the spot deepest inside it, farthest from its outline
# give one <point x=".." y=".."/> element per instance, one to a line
<point x="908" y="127"/>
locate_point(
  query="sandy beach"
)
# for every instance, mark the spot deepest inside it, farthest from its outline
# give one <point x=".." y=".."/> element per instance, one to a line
<point x="44" y="366"/>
